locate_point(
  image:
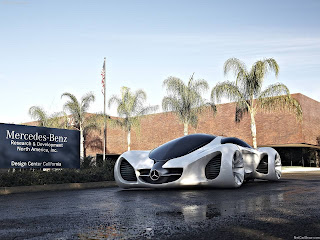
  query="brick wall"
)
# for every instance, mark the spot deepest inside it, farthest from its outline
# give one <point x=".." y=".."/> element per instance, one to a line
<point x="272" y="128"/>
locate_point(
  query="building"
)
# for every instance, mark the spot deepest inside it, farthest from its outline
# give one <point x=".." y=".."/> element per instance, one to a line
<point x="298" y="142"/>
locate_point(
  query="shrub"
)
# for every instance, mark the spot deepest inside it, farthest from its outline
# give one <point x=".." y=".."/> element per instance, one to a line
<point x="87" y="162"/>
<point x="29" y="177"/>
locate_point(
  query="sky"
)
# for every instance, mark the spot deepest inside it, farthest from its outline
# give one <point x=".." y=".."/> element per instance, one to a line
<point x="51" y="47"/>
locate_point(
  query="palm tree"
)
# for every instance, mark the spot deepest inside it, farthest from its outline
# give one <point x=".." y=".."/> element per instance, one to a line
<point x="185" y="100"/>
<point x="247" y="92"/>
<point x="130" y="110"/>
<point x="56" y="120"/>
<point x="78" y="110"/>
<point x="93" y="123"/>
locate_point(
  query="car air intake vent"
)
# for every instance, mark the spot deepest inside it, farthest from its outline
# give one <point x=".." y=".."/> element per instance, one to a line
<point x="144" y="171"/>
<point x="127" y="171"/>
<point x="172" y="174"/>
<point x="212" y="169"/>
<point x="263" y="165"/>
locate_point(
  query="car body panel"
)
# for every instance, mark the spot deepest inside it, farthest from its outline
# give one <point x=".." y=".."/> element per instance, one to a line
<point x="236" y="163"/>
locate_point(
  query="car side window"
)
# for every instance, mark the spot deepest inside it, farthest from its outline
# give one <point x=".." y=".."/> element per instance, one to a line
<point x="236" y="141"/>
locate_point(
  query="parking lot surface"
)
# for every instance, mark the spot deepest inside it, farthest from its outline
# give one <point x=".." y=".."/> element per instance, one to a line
<point x="288" y="209"/>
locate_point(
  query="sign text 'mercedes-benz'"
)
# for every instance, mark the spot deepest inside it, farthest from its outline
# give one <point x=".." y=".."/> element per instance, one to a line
<point x="38" y="147"/>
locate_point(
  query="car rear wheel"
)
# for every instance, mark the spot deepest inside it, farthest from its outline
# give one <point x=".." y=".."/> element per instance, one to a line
<point x="277" y="166"/>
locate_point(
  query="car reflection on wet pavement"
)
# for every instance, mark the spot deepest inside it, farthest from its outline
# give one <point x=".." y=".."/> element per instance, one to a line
<point x="257" y="210"/>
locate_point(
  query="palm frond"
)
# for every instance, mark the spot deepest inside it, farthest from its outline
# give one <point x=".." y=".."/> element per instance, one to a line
<point x="130" y="107"/>
<point x="271" y="65"/>
<point x="193" y="120"/>
<point x="281" y="103"/>
<point x="117" y="123"/>
<point x="75" y="110"/>
<point x="241" y="110"/>
<point x="274" y="90"/>
<point x="171" y="103"/>
<point x="141" y="95"/>
<point x="94" y="121"/>
<point x="212" y="107"/>
<point x="86" y="100"/>
<point x="56" y="120"/>
<point x="71" y="97"/>
<point x="64" y="120"/>
<point x="238" y="67"/>
<point x="199" y="86"/>
<point x="136" y="123"/>
<point x="114" y="100"/>
<point x="174" y="86"/>
<point x="73" y="107"/>
<point x="185" y="100"/>
<point x="257" y="73"/>
<point x="39" y="115"/>
<point x="135" y="102"/>
<point x="177" y="106"/>
<point x="148" y="110"/>
<point x="78" y="109"/>
<point x="92" y="126"/>
<point x="229" y="90"/>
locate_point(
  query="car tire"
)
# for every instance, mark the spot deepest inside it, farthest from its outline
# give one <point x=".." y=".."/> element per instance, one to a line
<point x="238" y="168"/>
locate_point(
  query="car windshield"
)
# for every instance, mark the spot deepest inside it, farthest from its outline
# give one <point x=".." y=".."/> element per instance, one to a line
<point x="180" y="146"/>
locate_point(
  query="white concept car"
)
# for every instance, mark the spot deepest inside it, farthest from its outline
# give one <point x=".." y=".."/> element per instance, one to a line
<point x="197" y="160"/>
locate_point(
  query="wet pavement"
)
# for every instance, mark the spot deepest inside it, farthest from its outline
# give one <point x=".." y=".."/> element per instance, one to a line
<point x="289" y="209"/>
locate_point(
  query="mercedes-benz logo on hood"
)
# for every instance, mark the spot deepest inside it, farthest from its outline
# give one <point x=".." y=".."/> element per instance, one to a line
<point x="154" y="175"/>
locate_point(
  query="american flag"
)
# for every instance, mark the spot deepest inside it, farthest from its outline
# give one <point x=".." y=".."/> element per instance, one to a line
<point x="103" y="73"/>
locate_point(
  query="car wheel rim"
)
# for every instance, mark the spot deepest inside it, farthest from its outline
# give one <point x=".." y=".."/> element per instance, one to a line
<point x="237" y="168"/>
<point x="277" y="166"/>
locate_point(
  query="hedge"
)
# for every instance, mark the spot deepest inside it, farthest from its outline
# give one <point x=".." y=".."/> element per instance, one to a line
<point x="28" y="177"/>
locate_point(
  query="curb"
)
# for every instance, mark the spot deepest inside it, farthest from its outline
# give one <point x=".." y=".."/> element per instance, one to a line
<point x="56" y="187"/>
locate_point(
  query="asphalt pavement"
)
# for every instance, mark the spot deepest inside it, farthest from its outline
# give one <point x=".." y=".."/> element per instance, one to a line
<point x="288" y="209"/>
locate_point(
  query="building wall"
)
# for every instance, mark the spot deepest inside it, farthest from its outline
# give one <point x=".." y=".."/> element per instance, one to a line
<point x="276" y="128"/>
<point x="272" y="128"/>
<point x="311" y="119"/>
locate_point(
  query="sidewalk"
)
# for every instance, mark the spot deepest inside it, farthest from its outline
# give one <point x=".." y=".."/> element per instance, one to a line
<point x="289" y="169"/>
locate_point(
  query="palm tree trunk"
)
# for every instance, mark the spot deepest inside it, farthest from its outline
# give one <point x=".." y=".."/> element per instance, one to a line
<point x="84" y="147"/>
<point x="129" y="139"/>
<point x="185" y="128"/>
<point x="81" y="143"/>
<point x="253" y="129"/>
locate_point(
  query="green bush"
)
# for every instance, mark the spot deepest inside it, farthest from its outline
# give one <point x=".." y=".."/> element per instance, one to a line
<point x="87" y="162"/>
<point x="28" y="177"/>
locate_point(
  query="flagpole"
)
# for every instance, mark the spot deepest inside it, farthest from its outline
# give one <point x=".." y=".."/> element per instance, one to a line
<point x="104" y="113"/>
